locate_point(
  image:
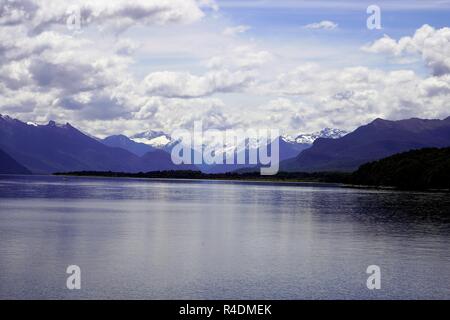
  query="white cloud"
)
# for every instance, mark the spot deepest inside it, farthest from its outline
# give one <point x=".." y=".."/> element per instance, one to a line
<point x="186" y="85"/>
<point x="431" y="44"/>
<point x="169" y="114"/>
<point x="232" y="31"/>
<point x="233" y="71"/>
<point x="323" y="25"/>
<point x="180" y="74"/>
<point x="39" y="15"/>
<point x="240" y="57"/>
<point x="350" y="97"/>
<point x="46" y="73"/>
<point x="52" y="74"/>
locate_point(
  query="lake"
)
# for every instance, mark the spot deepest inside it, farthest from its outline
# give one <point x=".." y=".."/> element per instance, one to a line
<point x="168" y="239"/>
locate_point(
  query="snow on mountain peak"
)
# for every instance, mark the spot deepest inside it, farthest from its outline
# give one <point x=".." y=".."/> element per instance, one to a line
<point x="160" y="140"/>
<point x="325" y="133"/>
<point x="156" y="139"/>
<point x="149" y="135"/>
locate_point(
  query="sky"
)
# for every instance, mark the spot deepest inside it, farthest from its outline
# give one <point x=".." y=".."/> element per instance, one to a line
<point x="117" y="66"/>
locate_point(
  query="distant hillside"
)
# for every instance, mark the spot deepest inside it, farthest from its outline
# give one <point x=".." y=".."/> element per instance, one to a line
<point x="160" y="160"/>
<point x="377" y="140"/>
<point x="419" y="170"/>
<point x="10" y="166"/>
<point x="61" y="147"/>
<point x="121" y="141"/>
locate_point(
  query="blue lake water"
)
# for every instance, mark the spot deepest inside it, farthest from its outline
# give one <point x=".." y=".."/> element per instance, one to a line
<point x="149" y="239"/>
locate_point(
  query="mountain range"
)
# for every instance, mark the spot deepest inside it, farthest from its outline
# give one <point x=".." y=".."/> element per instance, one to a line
<point x="53" y="147"/>
<point x="376" y="140"/>
<point x="121" y="141"/>
<point x="49" y="148"/>
<point x="153" y="140"/>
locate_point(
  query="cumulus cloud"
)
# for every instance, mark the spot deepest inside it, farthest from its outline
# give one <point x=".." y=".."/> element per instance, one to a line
<point x="233" y="71"/>
<point x="322" y="25"/>
<point x="53" y="76"/>
<point x="431" y="44"/>
<point x="38" y="15"/>
<point x="92" y="79"/>
<point x="349" y="97"/>
<point x="186" y="85"/>
<point x="172" y="113"/>
<point x="435" y="86"/>
<point x="46" y="72"/>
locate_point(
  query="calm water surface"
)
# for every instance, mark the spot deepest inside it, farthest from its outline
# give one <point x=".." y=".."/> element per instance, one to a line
<point x="145" y="239"/>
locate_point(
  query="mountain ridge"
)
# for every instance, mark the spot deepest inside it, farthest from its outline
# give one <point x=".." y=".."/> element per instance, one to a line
<point x="56" y="147"/>
<point x="378" y="139"/>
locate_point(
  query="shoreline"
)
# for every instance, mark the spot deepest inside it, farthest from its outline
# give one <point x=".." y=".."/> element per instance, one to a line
<point x="259" y="180"/>
<point x="204" y="179"/>
<point x="236" y="179"/>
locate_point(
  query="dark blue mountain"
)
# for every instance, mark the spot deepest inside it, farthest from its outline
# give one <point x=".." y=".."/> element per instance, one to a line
<point x="377" y="140"/>
<point x="290" y="150"/>
<point x="160" y="160"/>
<point x="10" y="166"/>
<point x="60" y="148"/>
<point x="121" y="141"/>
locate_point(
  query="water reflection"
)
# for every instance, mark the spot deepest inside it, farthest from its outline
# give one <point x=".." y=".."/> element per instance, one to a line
<point x="194" y="239"/>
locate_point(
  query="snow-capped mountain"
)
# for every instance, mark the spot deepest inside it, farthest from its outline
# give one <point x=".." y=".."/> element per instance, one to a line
<point x="161" y="140"/>
<point x="153" y="138"/>
<point x="376" y="140"/>
<point x="309" y="138"/>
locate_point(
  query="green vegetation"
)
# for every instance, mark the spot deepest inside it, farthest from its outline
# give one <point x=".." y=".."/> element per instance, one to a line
<point x="423" y="169"/>
<point x="331" y="177"/>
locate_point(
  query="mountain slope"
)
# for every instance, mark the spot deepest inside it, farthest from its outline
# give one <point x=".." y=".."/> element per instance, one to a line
<point x="154" y="139"/>
<point x="52" y="147"/>
<point x="419" y="169"/>
<point x="10" y="166"/>
<point x="62" y="148"/>
<point x="309" y="138"/>
<point x="379" y="139"/>
<point x="160" y="160"/>
<point x="121" y="141"/>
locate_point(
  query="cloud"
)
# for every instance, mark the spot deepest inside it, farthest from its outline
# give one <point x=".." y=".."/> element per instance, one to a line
<point x="189" y="73"/>
<point x="185" y="85"/>
<point x="349" y="97"/>
<point x="435" y="86"/>
<point x="54" y="73"/>
<point x="233" y="71"/>
<point x="232" y="31"/>
<point x="431" y="44"/>
<point x="125" y="47"/>
<point x="169" y="114"/>
<point x="39" y="15"/>
<point x="240" y="57"/>
<point x="323" y="25"/>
